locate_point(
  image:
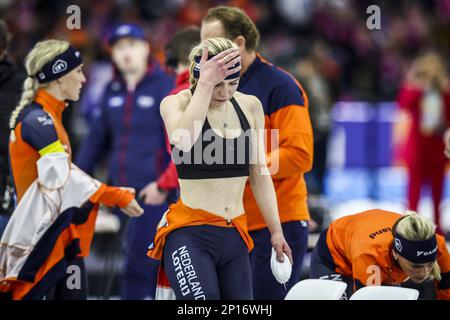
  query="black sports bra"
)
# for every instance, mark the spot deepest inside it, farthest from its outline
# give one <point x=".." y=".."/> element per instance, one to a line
<point x="212" y="156"/>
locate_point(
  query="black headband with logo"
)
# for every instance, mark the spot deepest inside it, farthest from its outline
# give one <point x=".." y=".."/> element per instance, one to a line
<point x="197" y="68"/>
<point x="416" y="251"/>
<point x="59" y="66"/>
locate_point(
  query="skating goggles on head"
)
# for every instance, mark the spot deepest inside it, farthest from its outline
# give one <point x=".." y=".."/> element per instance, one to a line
<point x="197" y="68"/>
<point x="59" y="66"/>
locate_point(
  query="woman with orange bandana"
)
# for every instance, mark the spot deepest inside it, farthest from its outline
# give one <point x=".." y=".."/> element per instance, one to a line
<point x="40" y="151"/>
<point x="203" y="239"/>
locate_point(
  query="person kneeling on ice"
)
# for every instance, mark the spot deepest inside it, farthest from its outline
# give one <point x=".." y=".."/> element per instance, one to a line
<point x="379" y="247"/>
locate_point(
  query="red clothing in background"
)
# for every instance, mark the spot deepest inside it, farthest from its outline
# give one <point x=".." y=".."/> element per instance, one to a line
<point x="424" y="152"/>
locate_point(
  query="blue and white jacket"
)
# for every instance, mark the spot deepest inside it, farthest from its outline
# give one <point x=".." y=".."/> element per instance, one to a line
<point x="128" y="129"/>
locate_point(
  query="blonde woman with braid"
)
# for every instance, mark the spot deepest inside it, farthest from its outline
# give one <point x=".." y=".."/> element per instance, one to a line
<point x="379" y="247"/>
<point x="37" y="249"/>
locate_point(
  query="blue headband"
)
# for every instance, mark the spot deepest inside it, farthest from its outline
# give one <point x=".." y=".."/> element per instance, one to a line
<point x="416" y="251"/>
<point x="59" y="66"/>
<point x="197" y="68"/>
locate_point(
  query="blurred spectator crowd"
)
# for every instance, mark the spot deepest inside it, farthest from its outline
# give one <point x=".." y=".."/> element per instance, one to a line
<point x="326" y="44"/>
<point x="327" y="39"/>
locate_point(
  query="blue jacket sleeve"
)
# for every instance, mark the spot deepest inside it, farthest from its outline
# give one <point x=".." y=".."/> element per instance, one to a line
<point x="96" y="144"/>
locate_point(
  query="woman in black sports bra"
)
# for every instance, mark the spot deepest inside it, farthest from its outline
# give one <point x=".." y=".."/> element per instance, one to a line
<point x="213" y="129"/>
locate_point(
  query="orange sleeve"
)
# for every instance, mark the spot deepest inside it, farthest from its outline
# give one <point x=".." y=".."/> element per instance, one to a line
<point x="295" y="151"/>
<point x="112" y="196"/>
<point x="443" y="286"/>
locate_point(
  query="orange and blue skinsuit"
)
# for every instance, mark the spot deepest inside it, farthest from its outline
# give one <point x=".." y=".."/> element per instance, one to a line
<point x="39" y="131"/>
<point x="357" y="249"/>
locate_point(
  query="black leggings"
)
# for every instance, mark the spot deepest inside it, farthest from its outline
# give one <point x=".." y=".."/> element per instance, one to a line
<point x="208" y="263"/>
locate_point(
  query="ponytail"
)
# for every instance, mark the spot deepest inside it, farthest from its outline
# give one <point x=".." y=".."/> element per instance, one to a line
<point x="30" y="86"/>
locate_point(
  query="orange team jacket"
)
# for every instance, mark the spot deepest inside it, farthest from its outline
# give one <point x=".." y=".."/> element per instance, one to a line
<point x="44" y="133"/>
<point x="285" y="107"/>
<point x="358" y="242"/>
<point x="179" y="215"/>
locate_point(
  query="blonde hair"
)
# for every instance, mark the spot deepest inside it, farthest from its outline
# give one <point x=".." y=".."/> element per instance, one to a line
<point x="415" y="227"/>
<point x="215" y="46"/>
<point x="431" y="65"/>
<point x="42" y="52"/>
<point x="430" y="59"/>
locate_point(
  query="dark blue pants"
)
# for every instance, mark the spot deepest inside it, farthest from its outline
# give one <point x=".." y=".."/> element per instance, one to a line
<point x="140" y="272"/>
<point x="208" y="263"/>
<point x="265" y="286"/>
